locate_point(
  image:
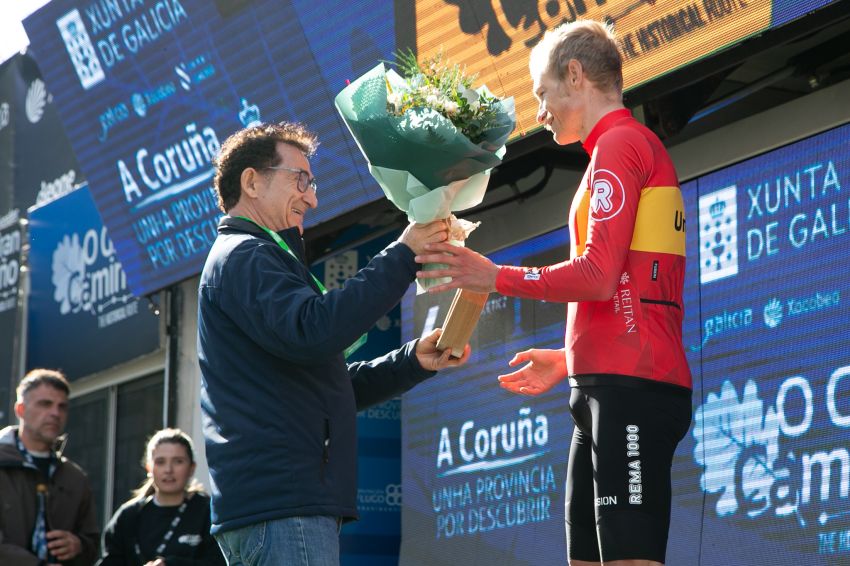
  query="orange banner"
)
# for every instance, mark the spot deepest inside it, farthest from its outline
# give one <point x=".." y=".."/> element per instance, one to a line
<point x="492" y="38"/>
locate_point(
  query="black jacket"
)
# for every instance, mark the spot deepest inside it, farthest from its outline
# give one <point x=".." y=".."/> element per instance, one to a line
<point x="190" y="545"/>
<point x="70" y="505"/>
<point x="279" y="402"/>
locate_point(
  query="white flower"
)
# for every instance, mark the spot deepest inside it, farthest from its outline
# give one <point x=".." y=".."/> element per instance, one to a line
<point x="394" y="100"/>
<point x="451" y="107"/>
<point x="433" y="100"/>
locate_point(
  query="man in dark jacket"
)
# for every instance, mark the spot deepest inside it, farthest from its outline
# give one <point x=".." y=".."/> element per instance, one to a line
<point x="279" y="402"/>
<point x="47" y="513"/>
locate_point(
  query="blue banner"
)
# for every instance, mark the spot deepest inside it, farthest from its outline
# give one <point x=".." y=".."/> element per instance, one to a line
<point x="149" y="89"/>
<point x="769" y="446"/>
<point x="82" y="316"/>
<point x="483" y="470"/>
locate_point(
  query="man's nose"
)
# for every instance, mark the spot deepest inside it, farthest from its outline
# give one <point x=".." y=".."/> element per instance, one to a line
<point x="310" y="198"/>
<point x="541" y="114"/>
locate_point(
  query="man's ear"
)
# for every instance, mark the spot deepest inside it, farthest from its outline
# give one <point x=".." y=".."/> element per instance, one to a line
<point x="19" y="410"/>
<point x="248" y="181"/>
<point x="575" y="72"/>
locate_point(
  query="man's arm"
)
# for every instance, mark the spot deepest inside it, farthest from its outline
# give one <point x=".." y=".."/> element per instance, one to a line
<point x="619" y="171"/>
<point x="269" y="296"/>
<point x="398" y="371"/>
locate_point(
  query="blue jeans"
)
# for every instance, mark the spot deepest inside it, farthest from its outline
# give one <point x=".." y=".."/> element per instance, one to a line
<point x="293" y="541"/>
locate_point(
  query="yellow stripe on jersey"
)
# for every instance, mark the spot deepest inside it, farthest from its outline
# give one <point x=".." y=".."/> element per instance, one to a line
<point x="660" y="221"/>
<point x="579" y="238"/>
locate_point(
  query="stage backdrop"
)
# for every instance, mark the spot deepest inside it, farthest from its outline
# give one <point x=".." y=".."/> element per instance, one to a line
<point x="149" y="91"/>
<point x="82" y="316"/>
<point x="37" y="165"/>
<point x="494" y="38"/>
<point x="10" y="276"/>
<point x="763" y="477"/>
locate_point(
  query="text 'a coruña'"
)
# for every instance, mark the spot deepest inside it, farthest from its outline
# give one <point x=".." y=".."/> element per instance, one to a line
<point x="174" y="164"/>
<point x="479" y="445"/>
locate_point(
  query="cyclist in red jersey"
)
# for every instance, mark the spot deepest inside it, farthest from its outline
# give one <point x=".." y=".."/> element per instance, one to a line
<point x="630" y="383"/>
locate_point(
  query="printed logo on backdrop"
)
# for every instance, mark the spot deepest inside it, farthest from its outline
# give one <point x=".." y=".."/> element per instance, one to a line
<point x="387" y="500"/>
<point x="194" y="71"/>
<point x="88" y="278"/>
<point x="37" y="98"/>
<point x="780" y="218"/>
<point x="718" y="235"/>
<point x="10" y="255"/>
<point x="776" y="310"/>
<point x="56" y="188"/>
<point x="5" y="115"/>
<point x="188" y="73"/>
<point x="494" y="476"/>
<point x="119" y="30"/>
<point x="724" y="323"/>
<point x="250" y="114"/>
<point x="757" y="465"/>
<point x="80" y="49"/>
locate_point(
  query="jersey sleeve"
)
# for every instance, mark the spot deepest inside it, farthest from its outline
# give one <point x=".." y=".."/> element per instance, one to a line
<point x="601" y="230"/>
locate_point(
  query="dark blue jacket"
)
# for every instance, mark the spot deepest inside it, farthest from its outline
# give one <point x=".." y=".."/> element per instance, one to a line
<point x="279" y="402"/>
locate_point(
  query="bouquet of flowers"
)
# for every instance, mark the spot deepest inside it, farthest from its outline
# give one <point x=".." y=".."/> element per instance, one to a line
<point x="429" y="138"/>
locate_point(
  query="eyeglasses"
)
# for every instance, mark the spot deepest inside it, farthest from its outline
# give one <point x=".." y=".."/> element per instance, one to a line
<point x="304" y="179"/>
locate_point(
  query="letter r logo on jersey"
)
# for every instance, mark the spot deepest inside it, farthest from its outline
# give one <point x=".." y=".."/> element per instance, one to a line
<point x="607" y="195"/>
<point x="601" y="199"/>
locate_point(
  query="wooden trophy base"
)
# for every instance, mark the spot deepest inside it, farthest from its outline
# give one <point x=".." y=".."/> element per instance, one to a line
<point x="461" y="320"/>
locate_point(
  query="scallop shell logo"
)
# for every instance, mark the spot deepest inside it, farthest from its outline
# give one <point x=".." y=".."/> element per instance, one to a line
<point x="69" y="276"/>
<point x="773" y="313"/>
<point x="36" y="99"/>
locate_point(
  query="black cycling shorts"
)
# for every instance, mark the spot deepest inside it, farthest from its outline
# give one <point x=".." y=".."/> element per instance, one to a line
<point x="618" y="477"/>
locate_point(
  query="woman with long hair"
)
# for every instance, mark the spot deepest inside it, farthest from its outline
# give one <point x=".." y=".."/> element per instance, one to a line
<point x="167" y="521"/>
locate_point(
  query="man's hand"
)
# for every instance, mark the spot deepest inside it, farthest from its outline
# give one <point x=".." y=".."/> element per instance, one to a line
<point x="416" y="235"/>
<point x="432" y="359"/>
<point x="156" y="562"/>
<point x="63" y="545"/>
<point x="545" y="369"/>
<point x="468" y="269"/>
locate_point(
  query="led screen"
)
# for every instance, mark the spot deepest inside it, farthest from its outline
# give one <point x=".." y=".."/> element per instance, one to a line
<point x="494" y="38"/>
<point x="469" y="491"/>
<point x="148" y="91"/>
<point x="762" y="477"/>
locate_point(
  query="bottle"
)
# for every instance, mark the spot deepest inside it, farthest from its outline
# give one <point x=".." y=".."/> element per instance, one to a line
<point x="43" y="492"/>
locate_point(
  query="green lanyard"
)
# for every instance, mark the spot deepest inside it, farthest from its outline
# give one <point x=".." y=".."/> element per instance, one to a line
<point x="285" y="247"/>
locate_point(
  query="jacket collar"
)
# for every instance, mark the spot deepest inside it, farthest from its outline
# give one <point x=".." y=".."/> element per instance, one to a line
<point x="292" y="236"/>
<point x="9" y="454"/>
<point x="9" y="448"/>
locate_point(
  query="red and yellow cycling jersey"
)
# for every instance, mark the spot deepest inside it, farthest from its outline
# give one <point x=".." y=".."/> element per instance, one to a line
<point x="623" y="281"/>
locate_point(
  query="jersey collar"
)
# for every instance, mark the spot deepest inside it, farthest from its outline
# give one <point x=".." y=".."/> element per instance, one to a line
<point x="603" y="125"/>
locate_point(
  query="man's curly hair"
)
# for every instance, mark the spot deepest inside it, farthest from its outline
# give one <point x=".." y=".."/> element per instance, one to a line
<point x="255" y="147"/>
